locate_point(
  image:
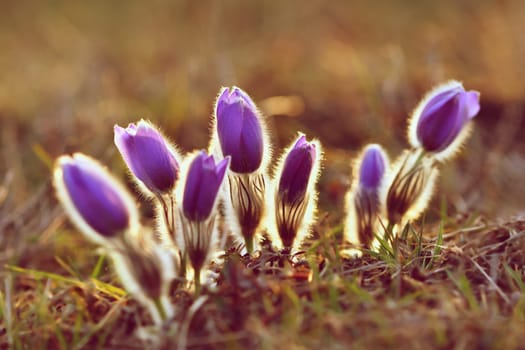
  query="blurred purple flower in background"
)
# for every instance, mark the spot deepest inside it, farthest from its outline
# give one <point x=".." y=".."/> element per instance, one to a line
<point x="148" y="155"/>
<point x="93" y="199"/>
<point x="443" y="115"/>
<point x="363" y="204"/>
<point x="203" y="182"/>
<point x="239" y="130"/>
<point x="372" y="168"/>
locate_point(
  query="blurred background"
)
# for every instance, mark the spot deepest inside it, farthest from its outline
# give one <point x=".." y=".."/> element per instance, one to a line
<point x="346" y="72"/>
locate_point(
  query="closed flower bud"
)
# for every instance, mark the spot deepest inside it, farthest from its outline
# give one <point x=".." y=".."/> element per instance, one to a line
<point x="296" y="171"/>
<point x="409" y="187"/>
<point x="240" y="130"/>
<point x="440" y="122"/>
<point x="93" y="199"/>
<point x="295" y="195"/>
<point x="151" y="159"/>
<point x="363" y="202"/>
<point x="203" y="182"/>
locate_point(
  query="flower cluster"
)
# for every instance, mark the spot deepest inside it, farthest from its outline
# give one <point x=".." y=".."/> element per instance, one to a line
<point x="187" y="192"/>
<point x="231" y="183"/>
<point x="385" y="197"/>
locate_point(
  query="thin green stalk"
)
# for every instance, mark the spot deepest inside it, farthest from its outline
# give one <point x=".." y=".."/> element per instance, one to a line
<point x="98" y="267"/>
<point x="389" y="233"/>
<point x="160" y="309"/>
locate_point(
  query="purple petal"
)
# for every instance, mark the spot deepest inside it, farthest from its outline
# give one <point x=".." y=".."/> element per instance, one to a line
<point x="472" y="103"/>
<point x="443" y="118"/>
<point x="223" y="100"/>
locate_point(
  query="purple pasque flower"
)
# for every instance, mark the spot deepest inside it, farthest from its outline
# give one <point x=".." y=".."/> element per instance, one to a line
<point x="363" y="201"/>
<point x="442" y="116"/>
<point x="239" y="130"/>
<point x="94" y="200"/>
<point x="296" y="171"/>
<point x="148" y="155"/>
<point x="203" y="182"/>
<point x="295" y="195"/>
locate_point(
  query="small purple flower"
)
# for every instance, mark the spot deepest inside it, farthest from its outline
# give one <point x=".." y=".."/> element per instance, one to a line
<point x="296" y="171"/>
<point x="372" y="168"/>
<point x="444" y="115"/>
<point x="239" y="130"/>
<point x="203" y="182"/>
<point x="363" y="202"/>
<point x="148" y="156"/>
<point x="95" y="198"/>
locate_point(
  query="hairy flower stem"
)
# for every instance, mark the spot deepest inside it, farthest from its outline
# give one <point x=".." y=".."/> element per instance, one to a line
<point x="249" y="244"/>
<point x="247" y="198"/>
<point x="168" y="212"/>
<point x="183" y="263"/>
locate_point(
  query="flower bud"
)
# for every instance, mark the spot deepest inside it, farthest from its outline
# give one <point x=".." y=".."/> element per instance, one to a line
<point x="203" y="181"/>
<point x="363" y="204"/>
<point x="295" y="195"/>
<point x="151" y="159"/>
<point x="439" y="123"/>
<point x="239" y="130"/>
<point x="296" y="171"/>
<point x="200" y="191"/>
<point x="93" y="199"/>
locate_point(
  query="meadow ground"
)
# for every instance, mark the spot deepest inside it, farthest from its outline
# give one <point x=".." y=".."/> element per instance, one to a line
<point x="347" y="73"/>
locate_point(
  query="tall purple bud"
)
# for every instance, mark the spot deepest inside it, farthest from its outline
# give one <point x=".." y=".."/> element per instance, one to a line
<point x="204" y="179"/>
<point x="295" y="195"/>
<point x="151" y="159"/>
<point x="93" y="199"/>
<point x="440" y="122"/>
<point x="363" y="203"/>
<point x="239" y="130"/>
<point x="240" y="133"/>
